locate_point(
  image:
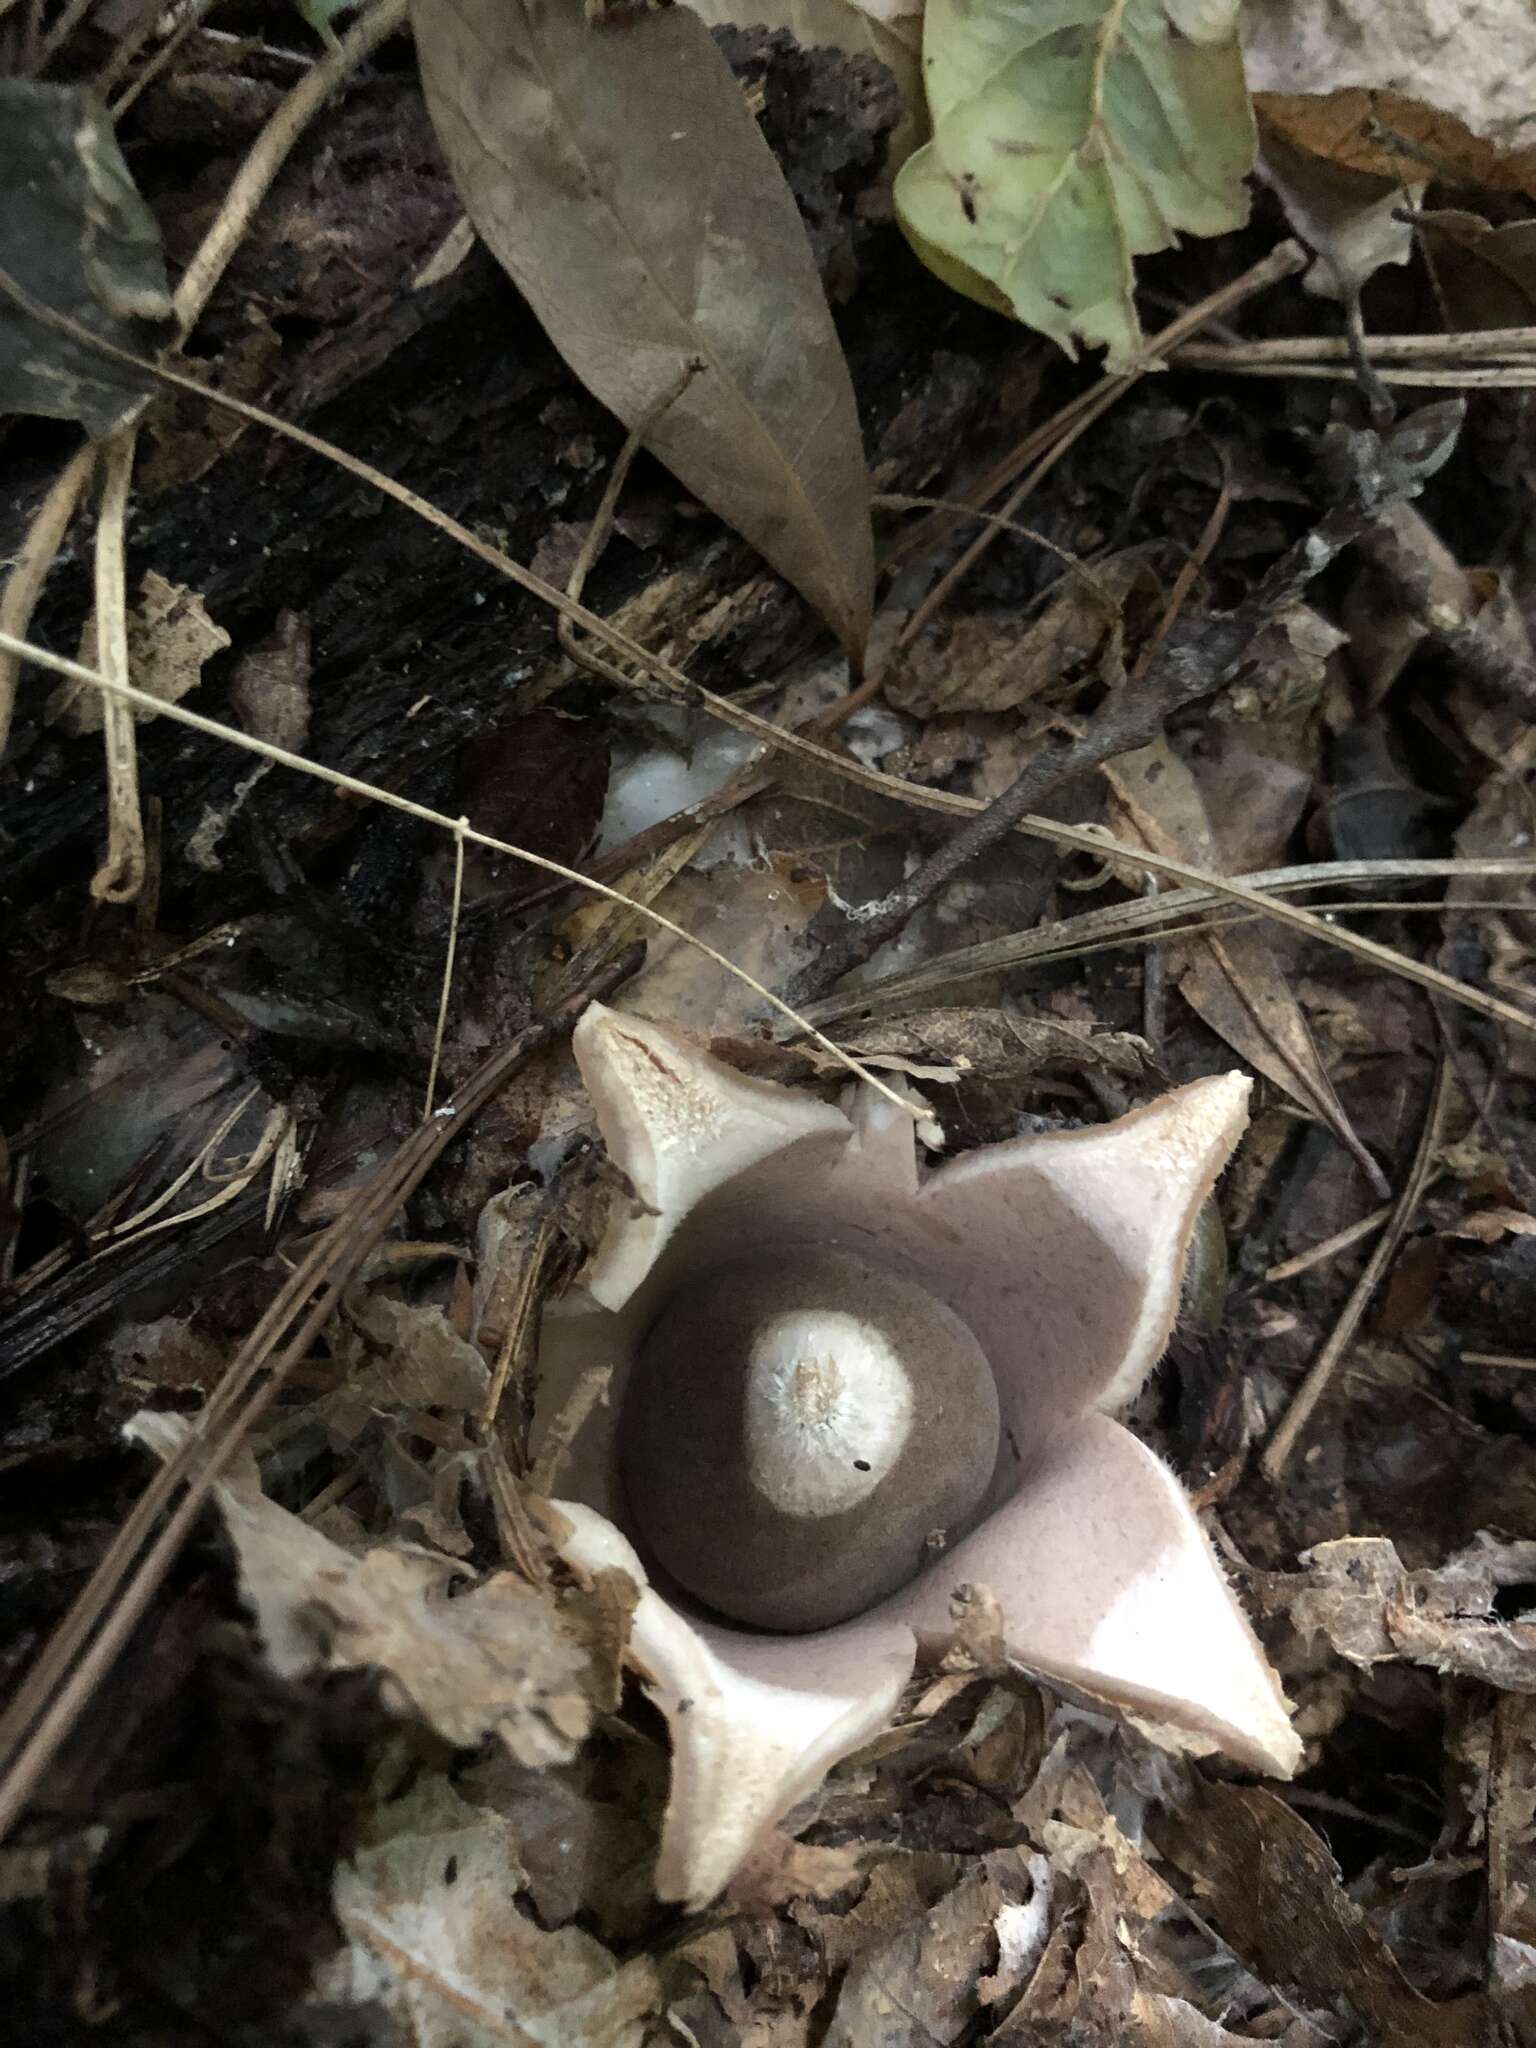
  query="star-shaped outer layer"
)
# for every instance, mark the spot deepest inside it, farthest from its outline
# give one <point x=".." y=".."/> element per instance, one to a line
<point x="1065" y="1255"/>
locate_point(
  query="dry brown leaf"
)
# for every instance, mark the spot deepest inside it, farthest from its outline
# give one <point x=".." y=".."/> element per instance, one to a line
<point x="430" y="1907"/>
<point x="921" y="1986"/>
<point x="1489" y="1226"/>
<point x="1000" y="1045"/>
<point x="170" y="636"/>
<point x="1231" y="979"/>
<point x="1487" y="275"/>
<point x="1268" y="1885"/>
<point x="1354" y="219"/>
<point x="1393" y="138"/>
<point x="1350" y="159"/>
<point x="1357" y="1592"/>
<point x="994" y="664"/>
<point x="1474" y="62"/>
<point x="498" y="1659"/>
<point x="616" y="173"/>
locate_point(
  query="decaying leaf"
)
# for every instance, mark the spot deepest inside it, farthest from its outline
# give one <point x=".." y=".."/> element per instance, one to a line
<point x="1232" y="978"/>
<point x="497" y="1660"/>
<point x="1361" y="104"/>
<point x="1268" y="1885"/>
<point x="1476" y="63"/>
<point x="170" y="636"/>
<point x="1068" y="140"/>
<point x="75" y="236"/>
<point x="922" y="1985"/>
<point x="1358" y="1593"/>
<point x="617" y="174"/>
<point x="430" y="1908"/>
<point x="1487" y="274"/>
<point x="1354" y="219"/>
<point x="996" y="664"/>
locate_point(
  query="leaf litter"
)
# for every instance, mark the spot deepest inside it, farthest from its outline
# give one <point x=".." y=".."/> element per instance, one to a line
<point x="1001" y="1865"/>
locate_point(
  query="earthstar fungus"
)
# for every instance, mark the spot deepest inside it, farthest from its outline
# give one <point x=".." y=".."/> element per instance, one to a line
<point x="842" y="1388"/>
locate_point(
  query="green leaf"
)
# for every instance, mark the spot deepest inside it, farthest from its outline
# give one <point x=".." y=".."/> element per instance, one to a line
<point x="615" y="172"/>
<point x="1070" y="136"/>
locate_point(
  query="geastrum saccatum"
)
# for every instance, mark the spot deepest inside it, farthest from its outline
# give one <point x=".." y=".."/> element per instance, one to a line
<point x="842" y="1389"/>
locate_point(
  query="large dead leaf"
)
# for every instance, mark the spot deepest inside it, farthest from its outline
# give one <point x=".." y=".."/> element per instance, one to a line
<point x="615" y="171"/>
<point x="1270" y="1888"/>
<point x="1358" y="1593"/>
<point x="1069" y="139"/>
<point x="430" y="1907"/>
<point x="75" y="234"/>
<point x="499" y="1659"/>
<point x="1230" y="978"/>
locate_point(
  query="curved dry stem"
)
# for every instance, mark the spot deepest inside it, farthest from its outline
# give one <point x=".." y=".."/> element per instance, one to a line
<point x="121" y="875"/>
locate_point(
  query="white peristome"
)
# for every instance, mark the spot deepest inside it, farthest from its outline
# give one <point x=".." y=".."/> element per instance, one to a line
<point x="756" y="1721"/>
<point x="828" y="1409"/>
<point x="1063" y="1257"/>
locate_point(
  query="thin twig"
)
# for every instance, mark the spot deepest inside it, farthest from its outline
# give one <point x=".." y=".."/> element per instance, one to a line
<point x="1383" y="348"/>
<point x="121" y="875"/>
<point x="74" y="13"/>
<point x="1310" y="1392"/>
<point x="1329" y="1247"/>
<point x="1282" y="261"/>
<point x="1123" y="924"/>
<point x="24" y="585"/>
<point x="162" y="56"/>
<point x="452" y="948"/>
<point x="595" y="538"/>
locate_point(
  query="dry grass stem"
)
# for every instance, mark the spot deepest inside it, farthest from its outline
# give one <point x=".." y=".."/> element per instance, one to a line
<point x="121" y="875"/>
<point x="448" y="956"/>
<point x="1278" y="1452"/>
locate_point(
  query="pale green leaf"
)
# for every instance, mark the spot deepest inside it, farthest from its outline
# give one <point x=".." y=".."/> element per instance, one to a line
<point x="1070" y="136"/>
